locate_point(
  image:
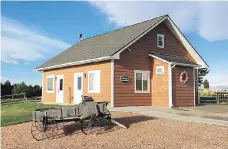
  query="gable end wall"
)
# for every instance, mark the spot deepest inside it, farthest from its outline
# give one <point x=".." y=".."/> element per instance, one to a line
<point x="137" y="59"/>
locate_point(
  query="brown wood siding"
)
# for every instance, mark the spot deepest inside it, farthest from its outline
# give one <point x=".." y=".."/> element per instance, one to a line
<point x="172" y="45"/>
<point x="105" y="86"/>
<point x="124" y="94"/>
<point x="137" y="59"/>
<point x="183" y="93"/>
<point x="159" y="84"/>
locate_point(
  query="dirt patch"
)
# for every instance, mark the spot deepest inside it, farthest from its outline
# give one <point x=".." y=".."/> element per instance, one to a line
<point x="143" y="132"/>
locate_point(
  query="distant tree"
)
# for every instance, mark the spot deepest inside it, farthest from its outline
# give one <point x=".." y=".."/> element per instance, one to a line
<point x="30" y="91"/>
<point x="206" y="84"/>
<point x="6" y="88"/>
<point x="201" y="73"/>
<point x="19" y="88"/>
<point x="2" y="89"/>
<point x="37" y="90"/>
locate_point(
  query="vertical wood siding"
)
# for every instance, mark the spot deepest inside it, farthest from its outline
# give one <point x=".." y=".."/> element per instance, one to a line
<point x="159" y="84"/>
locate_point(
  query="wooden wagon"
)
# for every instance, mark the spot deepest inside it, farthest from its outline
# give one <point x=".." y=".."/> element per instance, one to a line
<point x="91" y="115"/>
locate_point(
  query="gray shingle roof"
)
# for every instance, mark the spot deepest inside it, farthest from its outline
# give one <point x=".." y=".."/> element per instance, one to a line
<point x="102" y="45"/>
<point x="172" y="58"/>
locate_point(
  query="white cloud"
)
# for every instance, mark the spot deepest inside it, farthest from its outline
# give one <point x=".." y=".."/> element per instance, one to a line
<point x="218" y="80"/>
<point x="20" y="42"/>
<point x="208" y="19"/>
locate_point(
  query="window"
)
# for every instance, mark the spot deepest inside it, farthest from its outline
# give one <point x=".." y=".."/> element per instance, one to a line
<point x="142" y="81"/>
<point x="50" y="84"/>
<point x="160" y="70"/>
<point x="94" y="81"/>
<point x="160" y="40"/>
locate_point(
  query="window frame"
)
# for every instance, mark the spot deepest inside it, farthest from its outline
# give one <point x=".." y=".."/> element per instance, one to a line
<point x="53" y="88"/>
<point x="99" y="85"/>
<point x="148" y="81"/>
<point x="163" y="41"/>
<point x="163" y="70"/>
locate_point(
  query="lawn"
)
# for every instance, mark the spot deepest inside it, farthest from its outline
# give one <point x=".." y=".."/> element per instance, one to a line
<point x="15" y="113"/>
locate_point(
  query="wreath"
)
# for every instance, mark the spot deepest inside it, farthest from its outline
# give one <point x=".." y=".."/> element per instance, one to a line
<point x="183" y="76"/>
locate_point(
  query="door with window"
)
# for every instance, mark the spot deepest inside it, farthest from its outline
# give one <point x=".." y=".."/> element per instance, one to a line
<point x="78" y="87"/>
<point x="59" y="89"/>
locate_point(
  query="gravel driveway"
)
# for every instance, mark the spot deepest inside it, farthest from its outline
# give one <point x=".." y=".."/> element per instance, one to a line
<point x="143" y="132"/>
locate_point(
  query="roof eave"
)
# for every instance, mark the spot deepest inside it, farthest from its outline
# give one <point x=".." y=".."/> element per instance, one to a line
<point x="188" y="65"/>
<point x="75" y="63"/>
<point x="189" y="47"/>
<point x="174" y="63"/>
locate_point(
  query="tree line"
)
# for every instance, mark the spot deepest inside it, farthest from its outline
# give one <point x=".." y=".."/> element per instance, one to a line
<point x="18" y="88"/>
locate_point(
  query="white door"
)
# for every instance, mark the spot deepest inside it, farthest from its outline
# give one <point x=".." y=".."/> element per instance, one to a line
<point x="78" y="87"/>
<point x="59" y="89"/>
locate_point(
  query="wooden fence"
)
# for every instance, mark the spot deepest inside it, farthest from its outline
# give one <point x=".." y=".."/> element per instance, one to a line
<point x="217" y="97"/>
<point x="221" y="97"/>
<point x="14" y="98"/>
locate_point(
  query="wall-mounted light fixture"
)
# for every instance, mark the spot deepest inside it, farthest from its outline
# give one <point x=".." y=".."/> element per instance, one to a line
<point x="55" y="77"/>
<point x="84" y="75"/>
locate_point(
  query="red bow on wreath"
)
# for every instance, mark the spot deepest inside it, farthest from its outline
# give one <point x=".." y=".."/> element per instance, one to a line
<point x="183" y="76"/>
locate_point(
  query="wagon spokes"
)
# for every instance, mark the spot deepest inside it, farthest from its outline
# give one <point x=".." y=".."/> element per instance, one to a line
<point x="41" y="130"/>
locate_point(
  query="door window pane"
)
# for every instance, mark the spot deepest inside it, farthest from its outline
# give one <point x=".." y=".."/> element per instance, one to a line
<point x="138" y="81"/>
<point x="61" y="84"/>
<point x="79" y="83"/>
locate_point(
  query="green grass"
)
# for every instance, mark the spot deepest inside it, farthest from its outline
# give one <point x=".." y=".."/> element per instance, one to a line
<point x="15" y="113"/>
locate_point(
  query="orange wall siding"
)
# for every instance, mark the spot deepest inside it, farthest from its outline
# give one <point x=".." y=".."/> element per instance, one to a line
<point x="105" y="86"/>
<point x="159" y="84"/>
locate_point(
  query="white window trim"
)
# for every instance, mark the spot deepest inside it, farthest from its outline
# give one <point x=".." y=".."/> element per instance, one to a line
<point x="148" y="86"/>
<point x="99" y="89"/>
<point x="163" y="70"/>
<point x="162" y="36"/>
<point x="53" y="77"/>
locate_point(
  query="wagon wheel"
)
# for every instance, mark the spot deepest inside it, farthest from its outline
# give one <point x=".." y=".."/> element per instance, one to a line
<point x="90" y="125"/>
<point x="41" y="130"/>
<point x="106" y="118"/>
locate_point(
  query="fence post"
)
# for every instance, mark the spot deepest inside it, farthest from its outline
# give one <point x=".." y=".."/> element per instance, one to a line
<point x="199" y="98"/>
<point x="25" y="98"/>
<point x="217" y="97"/>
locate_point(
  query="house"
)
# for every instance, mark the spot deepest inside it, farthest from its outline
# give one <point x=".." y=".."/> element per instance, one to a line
<point x="146" y="64"/>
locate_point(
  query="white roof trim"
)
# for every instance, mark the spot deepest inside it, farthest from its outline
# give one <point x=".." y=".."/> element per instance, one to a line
<point x="189" y="65"/>
<point x="174" y="29"/>
<point x="179" y="35"/>
<point x="173" y="63"/>
<point x="76" y="63"/>
<point x="159" y="58"/>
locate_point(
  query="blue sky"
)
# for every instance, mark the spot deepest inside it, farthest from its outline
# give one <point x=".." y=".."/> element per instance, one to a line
<point x="33" y="32"/>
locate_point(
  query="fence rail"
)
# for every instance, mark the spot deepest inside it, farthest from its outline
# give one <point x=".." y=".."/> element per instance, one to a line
<point x="14" y="98"/>
<point x="221" y="97"/>
<point x="217" y="97"/>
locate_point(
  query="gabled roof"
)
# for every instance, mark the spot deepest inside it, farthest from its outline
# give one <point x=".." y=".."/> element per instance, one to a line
<point x="172" y="59"/>
<point x="103" y="45"/>
<point x="109" y="45"/>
